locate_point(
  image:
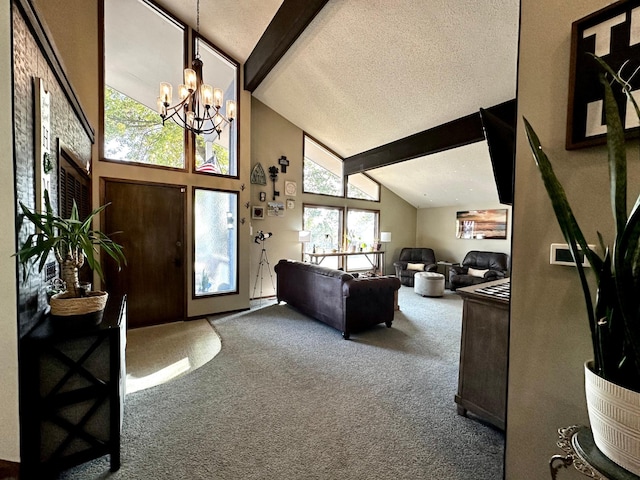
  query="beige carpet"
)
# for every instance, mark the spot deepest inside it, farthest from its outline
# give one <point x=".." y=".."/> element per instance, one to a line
<point x="161" y="353"/>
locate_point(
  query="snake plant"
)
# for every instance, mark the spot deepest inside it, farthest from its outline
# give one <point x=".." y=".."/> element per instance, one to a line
<point x="614" y="313"/>
<point x="70" y="239"/>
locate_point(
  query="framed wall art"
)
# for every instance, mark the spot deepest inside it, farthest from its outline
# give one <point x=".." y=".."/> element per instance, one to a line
<point x="257" y="212"/>
<point x="482" y="224"/>
<point x="612" y="33"/>
<point x="290" y="188"/>
<point x="275" y="209"/>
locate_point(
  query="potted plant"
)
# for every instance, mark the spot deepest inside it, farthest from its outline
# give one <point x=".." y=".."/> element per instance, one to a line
<point x="71" y="241"/>
<point x="613" y="377"/>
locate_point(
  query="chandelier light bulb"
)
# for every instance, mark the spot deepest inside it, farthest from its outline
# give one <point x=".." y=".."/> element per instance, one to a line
<point x="183" y="91"/>
<point x="207" y="95"/>
<point x="166" y="93"/>
<point x="231" y="110"/>
<point x="190" y="79"/>
<point x="217" y="97"/>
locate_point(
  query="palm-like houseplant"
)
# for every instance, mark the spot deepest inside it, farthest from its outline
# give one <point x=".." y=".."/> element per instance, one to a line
<point x="71" y="240"/>
<point x="614" y="313"/>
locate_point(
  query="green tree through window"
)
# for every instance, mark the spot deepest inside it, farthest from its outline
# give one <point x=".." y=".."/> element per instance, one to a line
<point x="134" y="133"/>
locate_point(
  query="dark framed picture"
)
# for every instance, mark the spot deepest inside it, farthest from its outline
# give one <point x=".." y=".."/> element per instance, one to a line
<point x="613" y="34"/>
<point x="257" y="212"/>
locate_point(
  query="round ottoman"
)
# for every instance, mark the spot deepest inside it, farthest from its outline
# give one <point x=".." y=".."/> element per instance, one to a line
<point x="429" y="284"/>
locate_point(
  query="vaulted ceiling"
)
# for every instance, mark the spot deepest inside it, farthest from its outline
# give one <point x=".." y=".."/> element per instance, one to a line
<point x="365" y="73"/>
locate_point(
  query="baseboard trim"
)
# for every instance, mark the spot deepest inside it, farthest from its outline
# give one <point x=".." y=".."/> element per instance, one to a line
<point x="9" y="470"/>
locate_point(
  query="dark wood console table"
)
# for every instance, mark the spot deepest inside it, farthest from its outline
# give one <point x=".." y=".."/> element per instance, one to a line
<point x="482" y="380"/>
<point x="72" y="392"/>
<point x="581" y="452"/>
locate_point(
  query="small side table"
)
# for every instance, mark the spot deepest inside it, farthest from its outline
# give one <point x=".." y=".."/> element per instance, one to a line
<point x="443" y="268"/>
<point x="581" y="452"/>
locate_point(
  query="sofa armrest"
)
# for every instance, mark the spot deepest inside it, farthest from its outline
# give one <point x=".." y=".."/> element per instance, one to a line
<point x="494" y="275"/>
<point x="458" y="270"/>
<point x="399" y="266"/>
<point x="367" y="286"/>
<point x="433" y="267"/>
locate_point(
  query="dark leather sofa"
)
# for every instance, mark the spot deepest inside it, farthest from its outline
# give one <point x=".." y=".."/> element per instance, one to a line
<point x="336" y="298"/>
<point x="426" y="256"/>
<point x="496" y="266"/>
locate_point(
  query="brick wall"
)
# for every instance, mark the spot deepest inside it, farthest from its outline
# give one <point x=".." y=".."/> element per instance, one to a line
<point x="30" y="62"/>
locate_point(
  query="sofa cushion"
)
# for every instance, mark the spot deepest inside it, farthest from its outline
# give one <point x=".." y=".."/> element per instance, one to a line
<point x="415" y="266"/>
<point x="477" y="273"/>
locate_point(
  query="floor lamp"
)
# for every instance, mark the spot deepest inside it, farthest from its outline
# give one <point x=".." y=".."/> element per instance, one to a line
<point x="385" y="237"/>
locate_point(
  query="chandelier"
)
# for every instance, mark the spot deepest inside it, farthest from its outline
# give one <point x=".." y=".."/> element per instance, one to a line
<point x="198" y="109"/>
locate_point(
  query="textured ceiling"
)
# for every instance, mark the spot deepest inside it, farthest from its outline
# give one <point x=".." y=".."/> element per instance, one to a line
<point x="368" y="72"/>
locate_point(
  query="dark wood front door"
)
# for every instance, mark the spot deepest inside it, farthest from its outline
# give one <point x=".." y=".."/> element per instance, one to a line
<point x="151" y="218"/>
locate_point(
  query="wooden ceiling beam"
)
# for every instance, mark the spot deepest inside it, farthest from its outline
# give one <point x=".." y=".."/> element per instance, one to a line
<point x="457" y="133"/>
<point x="288" y="23"/>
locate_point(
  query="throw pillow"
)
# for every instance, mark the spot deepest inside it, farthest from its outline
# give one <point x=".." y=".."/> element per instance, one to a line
<point x="415" y="266"/>
<point x="477" y="273"/>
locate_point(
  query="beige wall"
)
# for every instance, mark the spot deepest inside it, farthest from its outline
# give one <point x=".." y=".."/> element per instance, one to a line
<point x="437" y="229"/>
<point x="549" y="332"/>
<point x="273" y="136"/>
<point x="9" y="428"/>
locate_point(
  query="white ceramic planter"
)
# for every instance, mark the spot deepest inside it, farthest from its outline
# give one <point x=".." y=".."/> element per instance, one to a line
<point x="614" y="414"/>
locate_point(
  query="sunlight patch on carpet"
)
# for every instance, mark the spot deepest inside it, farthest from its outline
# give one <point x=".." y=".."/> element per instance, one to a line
<point x="161" y="353"/>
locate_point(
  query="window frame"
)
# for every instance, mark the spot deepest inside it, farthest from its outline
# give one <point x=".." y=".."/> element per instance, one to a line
<point x="363" y="199"/>
<point x="304" y="190"/>
<point x="189" y="39"/>
<point x="191" y="147"/>
<point x="194" y="296"/>
<point x="343" y="227"/>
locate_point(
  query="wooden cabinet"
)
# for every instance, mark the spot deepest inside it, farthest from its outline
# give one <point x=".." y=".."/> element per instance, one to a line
<point x="72" y="392"/>
<point x="482" y="381"/>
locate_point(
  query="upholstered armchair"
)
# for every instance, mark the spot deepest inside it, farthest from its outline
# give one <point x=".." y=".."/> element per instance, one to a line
<point x="413" y="260"/>
<point x="479" y="267"/>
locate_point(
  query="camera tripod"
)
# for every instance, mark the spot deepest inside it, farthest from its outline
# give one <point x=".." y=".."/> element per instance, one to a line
<point x="264" y="260"/>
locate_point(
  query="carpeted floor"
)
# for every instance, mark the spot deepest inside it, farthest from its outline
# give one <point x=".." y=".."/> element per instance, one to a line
<point x="288" y="398"/>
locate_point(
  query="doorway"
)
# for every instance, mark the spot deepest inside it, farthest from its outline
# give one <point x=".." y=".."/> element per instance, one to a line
<point x="150" y="219"/>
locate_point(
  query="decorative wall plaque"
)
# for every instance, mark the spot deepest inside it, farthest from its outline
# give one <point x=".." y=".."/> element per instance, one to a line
<point x="612" y="33"/>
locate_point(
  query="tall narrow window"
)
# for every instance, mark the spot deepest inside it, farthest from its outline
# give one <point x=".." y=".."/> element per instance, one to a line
<point x="136" y="61"/>
<point x="218" y="154"/>
<point x="362" y="230"/>
<point x="322" y="170"/>
<point x="215" y="242"/>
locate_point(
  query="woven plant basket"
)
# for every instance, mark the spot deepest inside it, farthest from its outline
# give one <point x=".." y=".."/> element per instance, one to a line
<point x="63" y="305"/>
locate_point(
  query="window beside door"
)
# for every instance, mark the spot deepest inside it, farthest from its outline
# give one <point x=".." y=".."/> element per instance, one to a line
<point x="215" y="224"/>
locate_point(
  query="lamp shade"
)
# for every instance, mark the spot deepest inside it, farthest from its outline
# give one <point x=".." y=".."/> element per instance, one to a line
<point x="385" y="237"/>
<point x="304" y="236"/>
